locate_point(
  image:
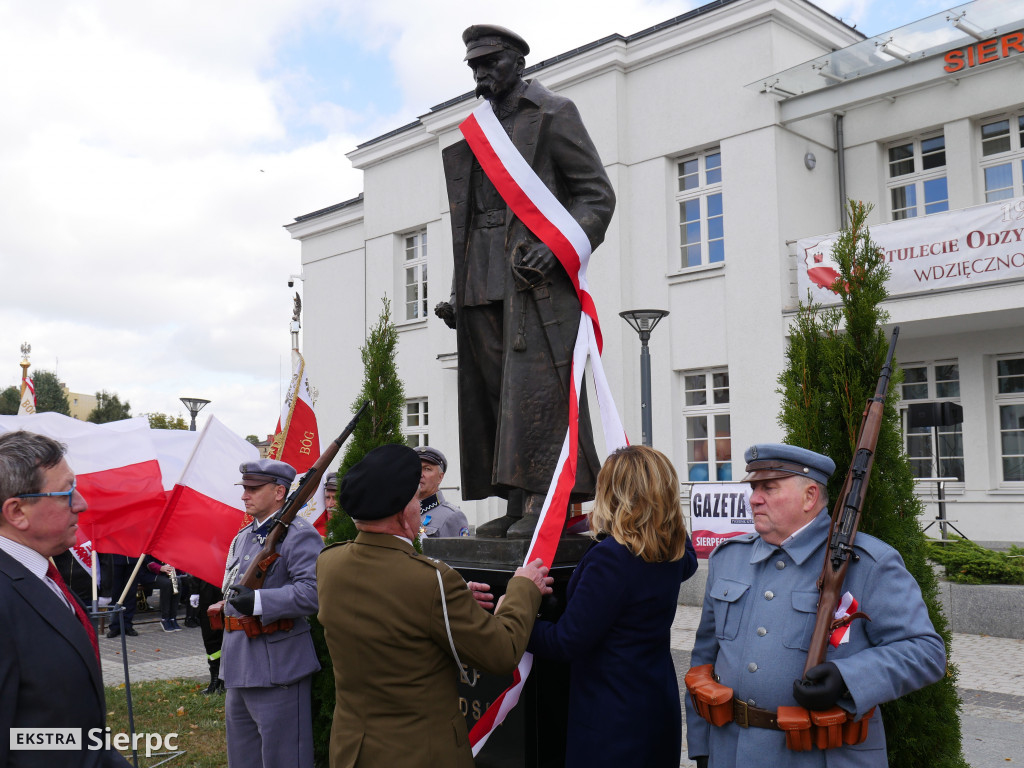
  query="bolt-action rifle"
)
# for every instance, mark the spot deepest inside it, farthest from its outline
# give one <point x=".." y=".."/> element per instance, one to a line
<point x="846" y="516"/>
<point x="256" y="573"/>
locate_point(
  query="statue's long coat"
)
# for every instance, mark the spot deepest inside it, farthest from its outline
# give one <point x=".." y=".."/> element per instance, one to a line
<point x="516" y="443"/>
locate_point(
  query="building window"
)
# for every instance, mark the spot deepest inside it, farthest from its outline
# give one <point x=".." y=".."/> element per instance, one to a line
<point x="701" y="224"/>
<point x="417" y="422"/>
<point x="933" y="382"/>
<point x="917" y="178"/>
<point x="706" y="411"/>
<point x="1002" y="158"/>
<point x="1010" y="402"/>
<point x="415" y="271"/>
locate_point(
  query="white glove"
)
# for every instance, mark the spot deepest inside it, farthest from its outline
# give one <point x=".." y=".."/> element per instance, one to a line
<point x="103" y="601"/>
<point x="194" y="601"/>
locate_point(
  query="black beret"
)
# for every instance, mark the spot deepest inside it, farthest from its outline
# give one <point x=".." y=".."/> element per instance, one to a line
<point x="381" y="484"/>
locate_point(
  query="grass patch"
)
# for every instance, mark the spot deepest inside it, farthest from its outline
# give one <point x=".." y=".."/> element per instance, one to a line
<point x="173" y="706"/>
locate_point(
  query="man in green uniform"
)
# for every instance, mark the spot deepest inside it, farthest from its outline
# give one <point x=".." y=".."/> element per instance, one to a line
<point x="399" y="626"/>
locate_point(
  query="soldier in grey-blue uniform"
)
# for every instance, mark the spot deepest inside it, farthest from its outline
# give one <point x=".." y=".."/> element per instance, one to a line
<point x="267" y="708"/>
<point x="438" y="518"/>
<point x="759" y="611"/>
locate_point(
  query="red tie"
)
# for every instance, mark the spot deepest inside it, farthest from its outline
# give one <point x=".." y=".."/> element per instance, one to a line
<point x="54" y="575"/>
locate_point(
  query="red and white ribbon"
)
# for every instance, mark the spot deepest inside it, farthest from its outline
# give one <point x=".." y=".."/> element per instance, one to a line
<point x="537" y="207"/>
<point x="847" y="607"/>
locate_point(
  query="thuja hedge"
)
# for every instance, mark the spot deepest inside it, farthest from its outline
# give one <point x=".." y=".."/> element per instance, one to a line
<point x="968" y="563"/>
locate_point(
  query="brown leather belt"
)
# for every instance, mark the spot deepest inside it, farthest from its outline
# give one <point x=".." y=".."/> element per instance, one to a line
<point x="746" y="716"/>
<point x="252" y="626"/>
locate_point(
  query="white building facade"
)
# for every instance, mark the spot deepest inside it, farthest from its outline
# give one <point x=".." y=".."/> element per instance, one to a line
<point x="731" y="135"/>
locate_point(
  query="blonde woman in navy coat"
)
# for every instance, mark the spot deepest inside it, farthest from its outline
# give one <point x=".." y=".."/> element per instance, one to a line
<point x="623" y="694"/>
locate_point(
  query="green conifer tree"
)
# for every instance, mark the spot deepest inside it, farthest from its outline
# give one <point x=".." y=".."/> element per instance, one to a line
<point x="833" y="362"/>
<point x="380" y="425"/>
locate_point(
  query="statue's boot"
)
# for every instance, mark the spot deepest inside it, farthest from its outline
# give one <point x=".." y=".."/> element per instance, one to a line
<point x="524" y="528"/>
<point x="498" y="528"/>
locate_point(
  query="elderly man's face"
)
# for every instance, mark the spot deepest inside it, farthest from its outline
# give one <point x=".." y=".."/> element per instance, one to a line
<point x="496" y="74"/>
<point x="430" y="480"/>
<point x="48" y="524"/>
<point x="783" y="505"/>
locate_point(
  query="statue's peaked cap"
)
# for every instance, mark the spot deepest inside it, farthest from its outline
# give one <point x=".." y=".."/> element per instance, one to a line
<point x="482" y="39"/>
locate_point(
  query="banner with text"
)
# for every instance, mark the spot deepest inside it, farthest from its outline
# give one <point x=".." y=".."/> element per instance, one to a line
<point x="983" y="244"/>
<point x="718" y="511"/>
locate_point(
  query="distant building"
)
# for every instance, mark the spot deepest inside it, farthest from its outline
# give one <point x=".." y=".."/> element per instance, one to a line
<point x="81" y="405"/>
<point x="733" y="134"/>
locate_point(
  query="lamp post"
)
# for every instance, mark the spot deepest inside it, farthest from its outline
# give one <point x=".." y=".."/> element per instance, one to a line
<point x="643" y="321"/>
<point x="194" y="405"/>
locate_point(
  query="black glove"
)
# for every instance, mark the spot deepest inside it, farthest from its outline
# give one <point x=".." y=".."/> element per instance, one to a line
<point x="702" y="761"/>
<point x="822" y="688"/>
<point x="244" y="600"/>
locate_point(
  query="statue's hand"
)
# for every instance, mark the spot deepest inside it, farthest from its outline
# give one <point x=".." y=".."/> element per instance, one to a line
<point x="446" y="312"/>
<point x="538" y="256"/>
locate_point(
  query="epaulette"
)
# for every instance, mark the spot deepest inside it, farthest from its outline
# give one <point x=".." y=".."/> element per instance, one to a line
<point x="744" y="538"/>
<point x="335" y="544"/>
<point x="871" y="545"/>
<point x="433" y="562"/>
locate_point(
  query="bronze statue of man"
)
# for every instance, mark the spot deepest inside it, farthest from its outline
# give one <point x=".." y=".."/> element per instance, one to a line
<point x="514" y="309"/>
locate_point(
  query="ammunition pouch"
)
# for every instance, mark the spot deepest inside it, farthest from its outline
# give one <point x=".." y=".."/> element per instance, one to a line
<point x="804" y="728"/>
<point x="711" y="699"/>
<point x="251" y="625"/>
<point x="215" y="613"/>
<point x="826" y="729"/>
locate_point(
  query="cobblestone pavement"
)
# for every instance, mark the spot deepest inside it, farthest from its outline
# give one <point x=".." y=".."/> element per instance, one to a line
<point x="154" y="654"/>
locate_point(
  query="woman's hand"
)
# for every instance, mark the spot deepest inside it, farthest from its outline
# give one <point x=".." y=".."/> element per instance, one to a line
<point x="482" y="594"/>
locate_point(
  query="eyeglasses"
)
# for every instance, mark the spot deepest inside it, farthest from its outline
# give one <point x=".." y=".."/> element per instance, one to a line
<point x="70" y="494"/>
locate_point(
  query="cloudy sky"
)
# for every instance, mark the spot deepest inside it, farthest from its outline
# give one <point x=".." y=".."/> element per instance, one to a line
<point x="150" y="154"/>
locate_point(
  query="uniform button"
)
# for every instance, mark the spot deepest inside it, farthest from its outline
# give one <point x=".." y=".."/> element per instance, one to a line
<point x="751" y="667"/>
<point x="246" y="557"/>
<point x="780" y="564"/>
<point x="761" y="631"/>
<point x="751" y="702"/>
<point x="769" y="595"/>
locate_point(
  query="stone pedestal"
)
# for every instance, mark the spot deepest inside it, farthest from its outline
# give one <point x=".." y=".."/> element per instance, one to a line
<point x="533" y="734"/>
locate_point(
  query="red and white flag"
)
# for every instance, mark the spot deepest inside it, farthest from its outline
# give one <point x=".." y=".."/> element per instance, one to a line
<point x="117" y="474"/>
<point x="27" y="407"/>
<point x="847" y="607"/>
<point x="537" y="207"/>
<point x="297" y="439"/>
<point x="204" y="510"/>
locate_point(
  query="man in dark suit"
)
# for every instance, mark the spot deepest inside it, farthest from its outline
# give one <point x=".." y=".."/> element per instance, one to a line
<point x="49" y="658"/>
<point x="514" y="309"/>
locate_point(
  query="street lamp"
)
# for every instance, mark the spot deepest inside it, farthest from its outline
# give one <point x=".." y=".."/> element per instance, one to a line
<point x="643" y="321"/>
<point x="194" y="405"/>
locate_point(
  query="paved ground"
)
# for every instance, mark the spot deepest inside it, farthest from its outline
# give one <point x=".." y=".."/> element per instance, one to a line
<point x="154" y="654"/>
<point x="991" y="678"/>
